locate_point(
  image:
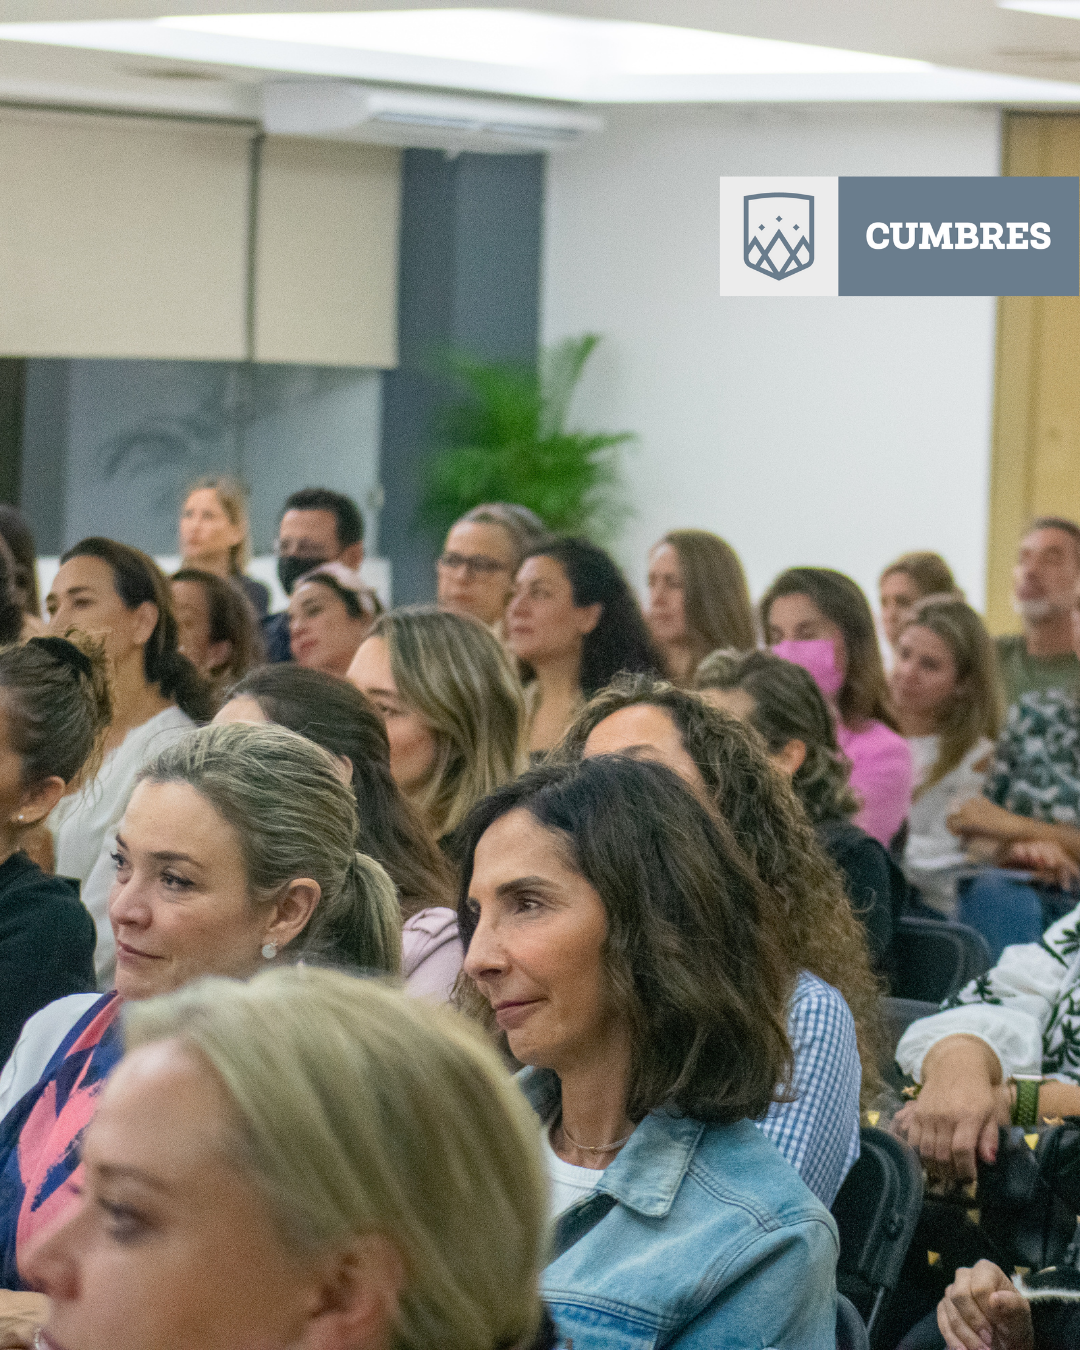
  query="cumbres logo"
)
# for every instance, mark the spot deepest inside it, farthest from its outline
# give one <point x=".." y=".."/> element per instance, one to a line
<point x="778" y="233"/>
<point x="987" y="234"/>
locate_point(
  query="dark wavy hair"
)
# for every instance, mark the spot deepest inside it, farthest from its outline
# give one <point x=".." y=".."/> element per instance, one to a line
<point x="788" y="706"/>
<point x="621" y="640"/>
<point x="11" y="611"/>
<point x="865" y="693"/>
<point x="690" y="955"/>
<point x="136" y="580"/>
<point x="819" y="929"/>
<point x="19" y="538"/>
<point x="337" y="716"/>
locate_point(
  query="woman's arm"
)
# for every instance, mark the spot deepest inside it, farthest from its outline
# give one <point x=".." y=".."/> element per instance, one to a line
<point x="955" y="1118"/>
<point x="980" y="818"/>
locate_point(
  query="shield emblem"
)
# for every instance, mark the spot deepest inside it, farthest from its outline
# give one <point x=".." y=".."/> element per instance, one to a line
<point x="778" y="233"/>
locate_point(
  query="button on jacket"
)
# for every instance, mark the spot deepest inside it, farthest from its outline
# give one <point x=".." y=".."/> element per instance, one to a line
<point x="714" y="1241"/>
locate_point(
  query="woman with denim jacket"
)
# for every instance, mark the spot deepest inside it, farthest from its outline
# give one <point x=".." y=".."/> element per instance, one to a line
<point x="628" y="951"/>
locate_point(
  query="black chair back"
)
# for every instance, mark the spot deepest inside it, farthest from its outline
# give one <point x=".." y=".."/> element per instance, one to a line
<point x="935" y="958"/>
<point x="850" y="1328"/>
<point x="897" y="1014"/>
<point x="876" y="1212"/>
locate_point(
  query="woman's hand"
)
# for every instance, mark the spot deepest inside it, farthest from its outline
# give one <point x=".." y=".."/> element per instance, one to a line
<point x="982" y="1310"/>
<point x="21" y="1317"/>
<point x="1047" y="860"/>
<point x="980" y="816"/>
<point x="955" y="1118"/>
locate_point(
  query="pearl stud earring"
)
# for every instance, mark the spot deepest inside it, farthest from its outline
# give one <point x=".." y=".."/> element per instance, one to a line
<point x="269" y="951"/>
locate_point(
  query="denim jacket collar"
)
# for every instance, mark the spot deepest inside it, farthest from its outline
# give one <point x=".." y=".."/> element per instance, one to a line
<point x="649" y="1170"/>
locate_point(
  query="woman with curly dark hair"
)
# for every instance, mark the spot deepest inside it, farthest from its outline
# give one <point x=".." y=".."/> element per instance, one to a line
<point x="783" y="704"/>
<point x="573" y="623"/>
<point x="821" y="620"/>
<point x="724" y="761"/>
<point x="629" y="951"/>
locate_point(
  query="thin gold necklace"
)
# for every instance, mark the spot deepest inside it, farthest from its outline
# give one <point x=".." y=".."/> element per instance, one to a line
<point x="594" y="1148"/>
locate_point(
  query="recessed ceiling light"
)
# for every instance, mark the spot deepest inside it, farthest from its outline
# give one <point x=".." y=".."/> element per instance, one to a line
<point x="527" y="39"/>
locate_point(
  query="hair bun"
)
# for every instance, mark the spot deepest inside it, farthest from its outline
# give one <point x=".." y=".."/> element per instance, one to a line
<point x="60" y="649"/>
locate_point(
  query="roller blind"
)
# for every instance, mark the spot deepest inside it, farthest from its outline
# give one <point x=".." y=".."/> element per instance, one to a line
<point x="122" y="236"/>
<point x="326" y="255"/>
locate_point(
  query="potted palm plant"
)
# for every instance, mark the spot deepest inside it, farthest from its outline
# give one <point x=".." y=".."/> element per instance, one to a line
<point x="507" y="440"/>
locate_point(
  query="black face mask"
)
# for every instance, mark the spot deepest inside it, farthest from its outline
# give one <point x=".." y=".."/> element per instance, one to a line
<point x="291" y="569"/>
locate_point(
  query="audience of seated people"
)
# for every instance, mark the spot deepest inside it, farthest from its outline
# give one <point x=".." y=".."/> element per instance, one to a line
<point x="216" y="627"/>
<point x="947" y="700"/>
<point x="1028" y="818"/>
<point x="911" y="578"/>
<point x="1047" y="572"/>
<point x="639" y="975"/>
<point x="698" y="600"/>
<point x="317" y="526"/>
<point x="480" y="558"/>
<point x="215" y="536"/>
<point x="573" y="624"/>
<point x="681" y="924"/>
<point x="335" y="715"/>
<point x="832" y="1004"/>
<point x="820" y="619"/>
<point x="238" y="844"/>
<point x="783" y="704"/>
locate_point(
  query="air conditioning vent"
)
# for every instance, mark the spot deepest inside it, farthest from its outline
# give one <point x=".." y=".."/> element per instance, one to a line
<point x="336" y="110"/>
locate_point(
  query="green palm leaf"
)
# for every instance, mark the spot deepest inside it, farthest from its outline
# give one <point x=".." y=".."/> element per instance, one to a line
<point x="506" y="440"/>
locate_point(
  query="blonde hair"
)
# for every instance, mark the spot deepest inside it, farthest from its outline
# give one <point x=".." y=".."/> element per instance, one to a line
<point x="454" y="672"/>
<point x="293" y="817"/>
<point x="232" y="496"/>
<point x="976" y="707"/>
<point x="363" y="1111"/>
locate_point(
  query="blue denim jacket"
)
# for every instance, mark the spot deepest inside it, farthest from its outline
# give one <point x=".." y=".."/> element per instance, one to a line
<point x="714" y="1242"/>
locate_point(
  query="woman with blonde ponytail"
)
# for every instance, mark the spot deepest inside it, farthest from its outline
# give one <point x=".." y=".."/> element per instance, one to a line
<point x="237" y="851"/>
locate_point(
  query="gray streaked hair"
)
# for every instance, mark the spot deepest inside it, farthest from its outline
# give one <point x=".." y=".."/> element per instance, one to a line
<point x="525" y="528"/>
<point x="293" y="817"/>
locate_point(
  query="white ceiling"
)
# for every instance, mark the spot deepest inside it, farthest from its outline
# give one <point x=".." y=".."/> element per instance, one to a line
<point x="964" y="35"/>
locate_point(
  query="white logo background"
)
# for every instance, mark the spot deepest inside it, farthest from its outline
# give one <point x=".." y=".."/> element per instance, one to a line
<point x="738" y="279"/>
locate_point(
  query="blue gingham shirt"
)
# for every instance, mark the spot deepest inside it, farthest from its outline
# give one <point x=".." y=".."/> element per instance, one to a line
<point x="818" y="1132"/>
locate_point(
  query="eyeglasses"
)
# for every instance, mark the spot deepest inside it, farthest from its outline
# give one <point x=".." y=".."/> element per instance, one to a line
<point x="473" y="564"/>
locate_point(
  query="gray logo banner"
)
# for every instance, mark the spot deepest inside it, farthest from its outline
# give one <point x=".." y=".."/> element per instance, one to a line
<point x="959" y="236"/>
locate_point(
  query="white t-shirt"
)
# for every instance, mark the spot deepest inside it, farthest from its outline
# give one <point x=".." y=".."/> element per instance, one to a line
<point x="569" y="1184"/>
<point x="933" y="855"/>
<point x="84" y="825"/>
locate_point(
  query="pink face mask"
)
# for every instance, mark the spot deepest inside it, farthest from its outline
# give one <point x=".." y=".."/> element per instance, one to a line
<point x="818" y="656"/>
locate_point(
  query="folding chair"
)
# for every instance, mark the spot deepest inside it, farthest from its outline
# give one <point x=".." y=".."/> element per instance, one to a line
<point x="935" y="958"/>
<point x="876" y="1212"/>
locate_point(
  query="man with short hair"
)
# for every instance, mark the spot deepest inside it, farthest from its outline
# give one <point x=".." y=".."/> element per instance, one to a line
<point x="317" y="526"/>
<point x="1044" y="582"/>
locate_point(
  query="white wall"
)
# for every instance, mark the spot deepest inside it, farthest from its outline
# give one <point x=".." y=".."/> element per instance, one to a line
<point x="833" y="432"/>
